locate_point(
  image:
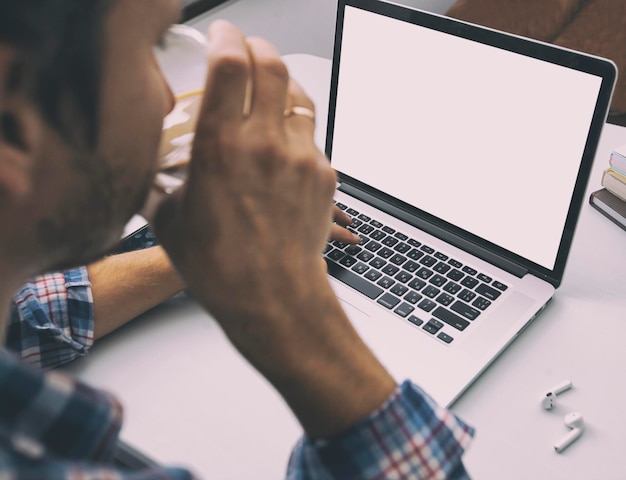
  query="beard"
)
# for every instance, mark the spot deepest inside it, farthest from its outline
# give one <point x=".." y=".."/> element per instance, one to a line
<point x="90" y="222"/>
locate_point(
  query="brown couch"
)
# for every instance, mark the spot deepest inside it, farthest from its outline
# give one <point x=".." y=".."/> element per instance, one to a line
<point x="593" y="26"/>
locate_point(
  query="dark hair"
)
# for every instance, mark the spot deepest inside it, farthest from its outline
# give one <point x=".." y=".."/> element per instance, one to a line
<point x="59" y="45"/>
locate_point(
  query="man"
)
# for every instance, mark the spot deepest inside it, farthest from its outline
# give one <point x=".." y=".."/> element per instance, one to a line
<point x="81" y="106"/>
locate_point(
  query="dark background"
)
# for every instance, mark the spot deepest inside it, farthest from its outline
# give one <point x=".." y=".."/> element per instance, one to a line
<point x="192" y="8"/>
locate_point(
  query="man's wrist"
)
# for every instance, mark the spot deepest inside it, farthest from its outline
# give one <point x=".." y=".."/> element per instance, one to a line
<point x="320" y="365"/>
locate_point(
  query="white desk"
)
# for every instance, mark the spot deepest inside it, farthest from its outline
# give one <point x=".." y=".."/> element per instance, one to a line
<point x="191" y="400"/>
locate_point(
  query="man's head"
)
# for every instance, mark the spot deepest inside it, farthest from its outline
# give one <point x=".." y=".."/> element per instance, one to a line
<point x="81" y="107"/>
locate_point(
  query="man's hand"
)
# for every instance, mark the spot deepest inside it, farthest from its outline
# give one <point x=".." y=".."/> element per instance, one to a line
<point x="338" y="230"/>
<point x="247" y="230"/>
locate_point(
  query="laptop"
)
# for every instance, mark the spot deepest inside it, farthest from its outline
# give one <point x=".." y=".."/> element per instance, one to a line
<point x="463" y="156"/>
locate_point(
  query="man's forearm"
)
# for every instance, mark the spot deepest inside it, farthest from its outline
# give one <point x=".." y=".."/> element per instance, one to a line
<point x="128" y="284"/>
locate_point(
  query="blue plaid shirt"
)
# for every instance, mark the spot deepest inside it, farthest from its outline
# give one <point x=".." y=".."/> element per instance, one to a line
<point x="54" y="427"/>
<point x="51" y="319"/>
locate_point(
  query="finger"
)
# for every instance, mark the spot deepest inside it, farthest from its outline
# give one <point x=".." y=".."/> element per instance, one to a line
<point x="298" y="99"/>
<point x="342" y="234"/>
<point x="270" y="81"/>
<point x="228" y="75"/>
<point x="340" y="217"/>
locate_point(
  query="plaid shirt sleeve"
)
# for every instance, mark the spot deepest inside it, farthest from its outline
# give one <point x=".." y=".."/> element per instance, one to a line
<point x="53" y="427"/>
<point x="409" y="437"/>
<point x="51" y="319"/>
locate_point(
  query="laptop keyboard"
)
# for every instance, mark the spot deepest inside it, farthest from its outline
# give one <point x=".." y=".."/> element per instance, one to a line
<point x="406" y="276"/>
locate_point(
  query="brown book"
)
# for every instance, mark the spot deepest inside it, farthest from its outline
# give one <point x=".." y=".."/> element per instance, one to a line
<point x="610" y="206"/>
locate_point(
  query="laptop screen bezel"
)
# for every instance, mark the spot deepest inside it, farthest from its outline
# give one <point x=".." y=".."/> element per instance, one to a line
<point x="602" y="68"/>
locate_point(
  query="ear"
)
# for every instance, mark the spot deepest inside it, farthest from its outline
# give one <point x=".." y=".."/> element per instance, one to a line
<point x="20" y="128"/>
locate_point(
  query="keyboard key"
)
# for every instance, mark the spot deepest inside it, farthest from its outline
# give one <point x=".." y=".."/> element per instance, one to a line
<point x="433" y="326"/>
<point x="427" y="249"/>
<point x="452" y="288"/>
<point x="353" y="250"/>
<point x="455" y="263"/>
<point x="441" y="267"/>
<point x="487" y="291"/>
<point x="428" y="261"/>
<point x="364" y="217"/>
<point x="335" y="255"/>
<point x="376" y="223"/>
<point x="341" y="206"/>
<point x="353" y="280"/>
<point x="469" y="282"/>
<point x="365" y="255"/>
<point x="417" y="283"/>
<point x="402" y="247"/>
<point x="348" y="261"/>
<point x="360" y="268"/>
<point x="445" y="337"/>
<point x="390" y="269"/>
<point x="377" y="235"/>
<point x="388" y="301"/>
<point x="327" y="248"/>
<point x="390" y="241"/>
<point x="404" y="309"/>
<point x="401" y="236"/>
<point x="385" y="252"/>
<point x="403" y="276"/>
<point x="499" y="285"/>
<point x="427" y="305"/>
<point x="399" y="289"/>
<point x="365" y="229"/>
<point x="389" y="230"/>
<point x="373" y="275"/>
<point x="430" y="291"/>
<point x="410" y="266"/>
<point x="438" y="280"/>
<point x="378" y="262"/>
<point x="424" y="273"/>
<point x="465" y="310"/>
<point x="397" y="259"/>
<point x="412" y="297"/>
<point x="445" y="299"/>
<point x="415" y="321"/>
<point x="385" y="282"/>
<point x="413" y="242"/>
<point x="415" y="254"/>
<point x="441" y="256"/>
<point x="484" y="278"/>
<point x="450" y="318"/>
<point x="481" y="303"/>
<point x="352" y="211"/>
<point x="455" y="275"/>
<point x="372" y="246"/>
<point x="469" y="271"/>
<point x="339" y="244"/>
<point x="466" y="295"/>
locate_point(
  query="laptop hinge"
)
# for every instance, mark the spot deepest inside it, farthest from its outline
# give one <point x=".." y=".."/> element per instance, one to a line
<point x="476" y="250"/>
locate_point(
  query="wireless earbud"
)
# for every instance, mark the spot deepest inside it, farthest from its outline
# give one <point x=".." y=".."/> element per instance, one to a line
<point x="574" y="421"/>
<point x="549" y="399"/>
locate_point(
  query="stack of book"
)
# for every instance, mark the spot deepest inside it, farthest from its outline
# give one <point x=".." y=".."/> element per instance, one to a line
<point x="611" y="200"/>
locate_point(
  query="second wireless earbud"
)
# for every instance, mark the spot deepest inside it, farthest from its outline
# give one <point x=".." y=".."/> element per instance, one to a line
<point x="575" y="422"/>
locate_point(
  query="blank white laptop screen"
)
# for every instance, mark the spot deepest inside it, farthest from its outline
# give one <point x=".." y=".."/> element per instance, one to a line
<point x="436" y="120"/>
